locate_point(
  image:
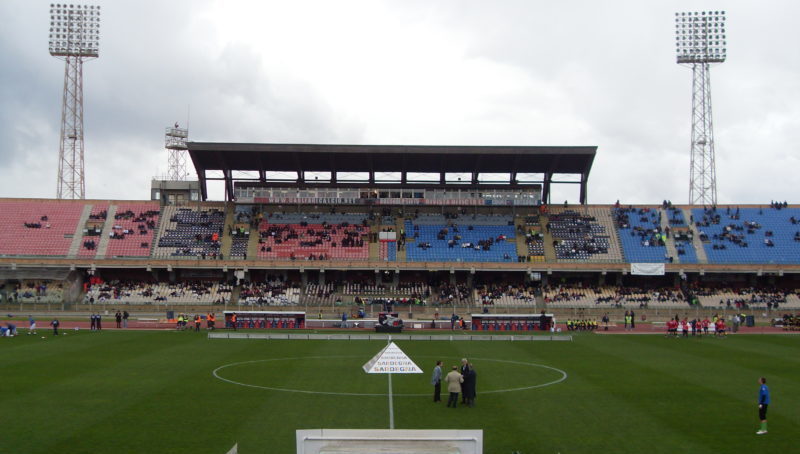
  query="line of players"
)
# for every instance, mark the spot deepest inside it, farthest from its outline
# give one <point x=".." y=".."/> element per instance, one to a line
<point x="697" y="327"/>
<point x="581" y="325"/>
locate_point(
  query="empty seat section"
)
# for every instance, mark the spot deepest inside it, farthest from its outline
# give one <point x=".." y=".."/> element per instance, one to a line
<point x="38" y="227"/>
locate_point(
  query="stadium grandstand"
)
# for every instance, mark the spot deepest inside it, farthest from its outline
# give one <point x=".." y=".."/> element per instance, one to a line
<point x="479" y="242"/>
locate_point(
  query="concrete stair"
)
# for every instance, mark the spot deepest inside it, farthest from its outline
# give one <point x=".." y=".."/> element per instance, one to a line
<point x="549" y="250"/>
<point x="235" y="294"/>
<point x="227" y="241"/>
<point x="107" y="226"/>
<point x="699" y="250"/>
<point x="522" y="247"/>
<point x="252" y="244"/>
<point x="77" y="239"/>
<point x="670" y="244"/>
<point x="399" y="226"/>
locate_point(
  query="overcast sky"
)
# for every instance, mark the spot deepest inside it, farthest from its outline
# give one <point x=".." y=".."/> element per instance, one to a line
<point x="426" y="72"/>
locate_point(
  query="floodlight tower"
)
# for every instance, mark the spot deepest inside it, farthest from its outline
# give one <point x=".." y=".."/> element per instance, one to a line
<point x="75" y="38"/>
<point x="175" y="143"/>
<point x="700" y="41"/>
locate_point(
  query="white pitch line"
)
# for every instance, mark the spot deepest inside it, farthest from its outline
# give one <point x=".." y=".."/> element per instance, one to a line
<point x="391" y="406"/>
<point x="216" y="375"/>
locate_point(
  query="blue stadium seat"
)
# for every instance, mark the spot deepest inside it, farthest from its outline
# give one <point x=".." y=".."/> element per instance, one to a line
<point x="742" y="238"/>
<point x="440" y="251"/>
<point x="637" y="235"/>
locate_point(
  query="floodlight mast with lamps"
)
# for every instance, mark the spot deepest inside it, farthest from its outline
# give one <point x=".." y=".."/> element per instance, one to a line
<point x="75" y="38"/>
<point x="175" y="143"/>
<point x="700" y="41"/>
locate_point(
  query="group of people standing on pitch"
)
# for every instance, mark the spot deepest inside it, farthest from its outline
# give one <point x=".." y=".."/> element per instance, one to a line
<point x="95" y="322"/>
<point x="461" y="380"/>
<point x="698" y="327"/>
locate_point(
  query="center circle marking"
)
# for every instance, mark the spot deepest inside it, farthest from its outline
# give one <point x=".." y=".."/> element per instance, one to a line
<point x="216" y="374"/>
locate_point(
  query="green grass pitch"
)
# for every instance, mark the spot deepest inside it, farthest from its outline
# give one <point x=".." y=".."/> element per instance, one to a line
<point x="136" y="392"/>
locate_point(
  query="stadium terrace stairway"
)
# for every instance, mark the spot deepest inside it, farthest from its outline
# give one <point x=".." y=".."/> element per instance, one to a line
<point x="226" y="240"/>
<point x="697" y="243"/>
<point x="375" y="247"/>
<point x="77" y="239"/>
<point x="549" y="248"/>
<point x="400" y="251"/>
<point x="252" y="244"/>
<point x="670" y="245"/>
<point x="92" y="230"/>
<point x="681" y="237"/>
<point x="102" y="247"/>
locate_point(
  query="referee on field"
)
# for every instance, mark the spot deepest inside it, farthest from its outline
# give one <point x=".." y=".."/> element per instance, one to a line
<point x="763" y="402"/>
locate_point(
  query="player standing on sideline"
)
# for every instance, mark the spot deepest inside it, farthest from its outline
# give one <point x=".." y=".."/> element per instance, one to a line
<point x="31" y="325"/>
<point x="763" y="402"/>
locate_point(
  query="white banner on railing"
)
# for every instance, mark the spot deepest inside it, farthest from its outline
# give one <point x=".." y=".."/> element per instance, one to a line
<point x="648" y="269"/>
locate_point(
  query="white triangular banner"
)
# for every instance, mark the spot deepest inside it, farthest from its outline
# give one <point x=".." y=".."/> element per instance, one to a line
<point x="391" y="360"/>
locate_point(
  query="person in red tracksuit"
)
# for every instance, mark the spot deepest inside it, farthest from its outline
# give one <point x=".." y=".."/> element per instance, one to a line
<point x="720" y="328"/>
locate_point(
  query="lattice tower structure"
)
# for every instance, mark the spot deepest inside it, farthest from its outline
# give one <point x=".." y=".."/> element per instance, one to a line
<point x="175" y="142"/>
<point x="74" y="38"/>
<point x="700" y="41"/>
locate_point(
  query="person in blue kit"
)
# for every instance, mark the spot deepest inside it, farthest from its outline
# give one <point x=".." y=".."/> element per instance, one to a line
<point x="763" y="402"/>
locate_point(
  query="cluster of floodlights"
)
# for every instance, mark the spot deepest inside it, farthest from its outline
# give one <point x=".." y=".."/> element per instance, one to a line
<point x="74" y="30"/>
<point x="700" y="37"/>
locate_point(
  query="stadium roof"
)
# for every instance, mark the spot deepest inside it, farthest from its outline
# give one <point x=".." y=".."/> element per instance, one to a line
<point x="301" y="158"/>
